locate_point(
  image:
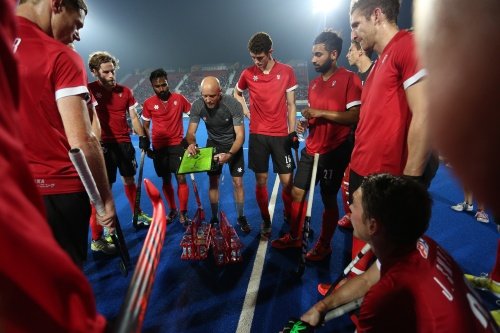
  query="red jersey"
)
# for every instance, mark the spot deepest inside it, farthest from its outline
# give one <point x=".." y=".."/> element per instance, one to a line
<point x="340" y="92"/>
<point x="51" y="71"/>
<point x="423" y="291"/>
<point x="268" y="107"/>
<point x="112" y="107"/>
<point x="167" y="119"/>
<point x="381" y="135"/>
<point x="42" y="289"/>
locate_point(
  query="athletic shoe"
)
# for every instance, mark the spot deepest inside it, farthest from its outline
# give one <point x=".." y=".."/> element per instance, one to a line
<point x="460" y="207"/>
<point x="143" y="219"/>
<point x="484" y="282"/>
<point x="172" y="215"/>
<point x="345" y="222"/>
<point x="243" y="223"/>
<point x="481" y="216"/>
<point x="318" y="252"/>
<point x="287" y="241"/>
<point x="184" y="219"/>
<point x="496" y="316"/>
<point x="265" y="228"/>
<point x="103" y="246"/>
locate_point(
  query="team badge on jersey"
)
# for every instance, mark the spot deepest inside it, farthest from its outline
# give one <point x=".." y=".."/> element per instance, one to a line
<point x="98" y="95"/>
<point x="156" y="107"/>
<point x="175" y="103"/>
<point x="334" y="82"/>
<point x="255" y="78"/>
<point x="278" y="77"/>
<point x="423" y="248"/>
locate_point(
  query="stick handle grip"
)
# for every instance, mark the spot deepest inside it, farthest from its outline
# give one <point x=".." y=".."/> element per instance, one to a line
<point x="343" y="309"/>
<point x="76" y="156"/>
<point x="311" y="186"/>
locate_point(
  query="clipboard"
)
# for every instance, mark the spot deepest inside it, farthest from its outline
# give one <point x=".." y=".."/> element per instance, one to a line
<point x="201" y="162"/>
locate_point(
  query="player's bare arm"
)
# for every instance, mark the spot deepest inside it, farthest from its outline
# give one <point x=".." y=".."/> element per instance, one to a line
<point x="419" y="147"/>
<point x="292" y="110"/>
<point x="76" y="122"/>
<point x="343" y="117"/>
<point x="351" y="290"/>
<point x="146" y="125"/>
<point x="191" y="138"/>
<point x="136" y="123"/>
<point x="240" y="98"/>
<point x="238" y="142"/>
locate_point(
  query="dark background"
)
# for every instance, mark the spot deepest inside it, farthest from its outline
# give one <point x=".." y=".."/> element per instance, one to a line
<point x="180" y="33"/>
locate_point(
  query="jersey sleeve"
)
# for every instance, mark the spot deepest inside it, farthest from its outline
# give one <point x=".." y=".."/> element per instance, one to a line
<point x="146" y="112"/>
<point x="131" y="99"/>
<point x="353" y="91"/>
<point x="186" y="106"/>
<point x="242" y="82"/>
<point x="69" y="76"/>
<point x="236" y="111"/>
<point x="407" y="63"/>
<point x="194" y="116"/>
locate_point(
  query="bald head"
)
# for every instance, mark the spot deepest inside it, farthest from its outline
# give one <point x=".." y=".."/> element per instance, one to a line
<point x="461" y="60"/>
<point x="211" y="91"/>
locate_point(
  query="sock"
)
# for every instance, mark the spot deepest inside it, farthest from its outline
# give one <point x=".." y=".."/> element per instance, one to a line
<point x="287" y="202"/>
<point x="297" y="216"/>
<point x="263" y="201"/>
<point x="215" y="209"/>
<point x="183" y="193"/>
<point x="495" y="274"/>
<point x="95" y="227"/>
<point x="365" y="262"/>
<point x="168" y="192"/>
<point x="130" y="191"/>
<point x="239" y="208"/>
<point x="328" y="224"/>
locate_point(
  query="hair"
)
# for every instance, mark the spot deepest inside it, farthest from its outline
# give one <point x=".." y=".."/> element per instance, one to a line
<point x="96" y="59"/>
<point x="158" y="73"/>
<point x="401" y="205"/>
<point x="260" y="42"/>
<point x="366" y="7"/>
<point x="356" y="44"/>
<point x="74" y="4"/>
<point x="331" y="39"/>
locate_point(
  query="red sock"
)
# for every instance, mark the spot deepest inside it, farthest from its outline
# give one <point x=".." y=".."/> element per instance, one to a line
<point x="168" y="192"/>
<point x="297" y="216"/>
<point x="130" y="191"/>
<point x="495" y="274"/>
<point x="263" y="201"/>
<point x="95" y="227"/>
<point x="344" y="190"/>
<point x="287" y="201"/>
<point x="328" y="225"/>
<point x="183" y="193"/>
<point x="364" y="263"/>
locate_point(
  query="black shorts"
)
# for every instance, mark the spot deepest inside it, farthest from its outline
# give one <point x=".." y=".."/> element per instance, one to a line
<point x="355" y="181"/>
<point x="168" y="159"/>
<point x="331" y="167"/>
<point x="68" y="216"/>
<point x="278" y="147"/>
<point x="236" y="162"/>
<point x="122" y="156"/>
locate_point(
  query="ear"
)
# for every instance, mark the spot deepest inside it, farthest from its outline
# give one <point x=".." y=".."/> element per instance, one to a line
<point x="373" y="226"/>
<point x="57" y="6"/>
<point x="377" y="15"/>
<point x="334" y="55"/>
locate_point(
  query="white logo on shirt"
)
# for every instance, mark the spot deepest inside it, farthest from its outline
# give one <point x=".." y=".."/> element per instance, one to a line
<point x="334" y="83"/>
<point x="314" y="86"/>
<point x="278" y="77"/>
<point x="255" y="78"/>
<point x="17" y="41"/>
<point x="98" y="95"/>
<point x="175" y="102"/>
<point x="156" y="107"/>
<point x="120" y="94"/>
<point x="240" y="170"/>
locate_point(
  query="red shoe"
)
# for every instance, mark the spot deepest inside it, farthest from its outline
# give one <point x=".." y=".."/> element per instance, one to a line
<point x="345" y="222"/>
<point x="318" y="252"/>
<point x="285" y="242"/>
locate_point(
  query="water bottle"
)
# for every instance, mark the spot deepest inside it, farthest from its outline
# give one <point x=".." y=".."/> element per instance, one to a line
<point x="302" y="136"/>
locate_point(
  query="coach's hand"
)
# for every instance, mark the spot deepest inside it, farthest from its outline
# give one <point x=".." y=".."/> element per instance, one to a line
<point x="294" y="140"/>
<point x="144" y="142"/>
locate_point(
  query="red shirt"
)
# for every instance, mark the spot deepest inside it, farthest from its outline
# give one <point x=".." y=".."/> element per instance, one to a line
<point x="112" y="107"/>
<point x="423" y="291"/>
<point x="381" y="136"/>
<point x="340" y="92"/>
<point x="41" y="288"/>
<point x="49" y="70"/>
<point x="268" y="107"/>
<point x="167" y="119"/>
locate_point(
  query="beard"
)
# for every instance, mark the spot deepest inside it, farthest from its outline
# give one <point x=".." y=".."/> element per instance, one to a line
<point x="164" y="95"/>
<point x="325" y="67"/>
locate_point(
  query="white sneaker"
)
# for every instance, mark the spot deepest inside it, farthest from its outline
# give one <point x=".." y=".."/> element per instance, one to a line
<point x="103" y="246"/>
<point x="482" y="217"/>
<point x="460" y="207"/>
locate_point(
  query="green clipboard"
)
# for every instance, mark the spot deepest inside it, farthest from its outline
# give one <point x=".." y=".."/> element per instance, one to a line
<point x="201" y="162"/>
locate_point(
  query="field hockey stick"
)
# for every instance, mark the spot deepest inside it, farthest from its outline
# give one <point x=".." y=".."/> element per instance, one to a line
<point x="297" y="325"/>
<point x="348" y="268"/>
<point x="76" y="156"/>
<point x="307" y="220"/>
<point x="137" y="204"/>
<point x="133" y="309"/>
<point x="197" y="197"/>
